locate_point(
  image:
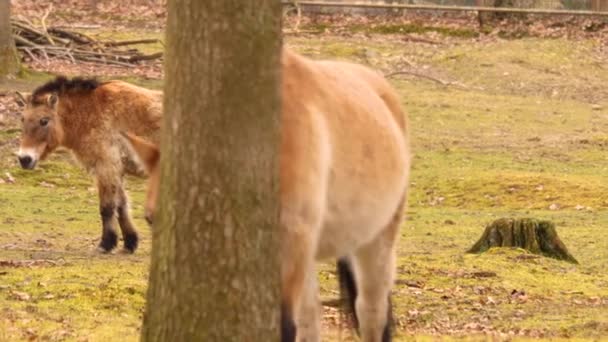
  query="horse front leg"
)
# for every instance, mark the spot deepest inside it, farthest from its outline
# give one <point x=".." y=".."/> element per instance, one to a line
<point x="107" y="207"/>
<point x="374" y="269"/>
<point x="108" y="185"/>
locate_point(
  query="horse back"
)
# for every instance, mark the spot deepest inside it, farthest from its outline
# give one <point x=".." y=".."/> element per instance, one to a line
<point x="131" y="108"/>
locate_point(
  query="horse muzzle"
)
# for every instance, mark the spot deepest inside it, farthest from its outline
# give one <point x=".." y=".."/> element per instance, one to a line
<point x="27" y="162"/>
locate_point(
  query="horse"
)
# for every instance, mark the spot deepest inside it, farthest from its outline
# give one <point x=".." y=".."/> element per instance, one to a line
<point x="86" y="117"/>
<point x="344" y="168"/>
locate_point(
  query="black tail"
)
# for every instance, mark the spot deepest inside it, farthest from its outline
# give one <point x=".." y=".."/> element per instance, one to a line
<point x="348" y="288"/>
<point x="288" y="326"/>
<point x="348" y="296"/>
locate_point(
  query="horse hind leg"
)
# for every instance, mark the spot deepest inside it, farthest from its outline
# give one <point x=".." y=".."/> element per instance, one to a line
<point x="129" y="234"/>
<point x="299" y="316"/>
<point x="374" y="273"/>
<point x="299" y="310"/>
<point x="308" y="317"/>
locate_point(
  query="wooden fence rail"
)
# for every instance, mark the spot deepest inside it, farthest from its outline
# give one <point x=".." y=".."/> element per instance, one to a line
<point x="420" y="7"/>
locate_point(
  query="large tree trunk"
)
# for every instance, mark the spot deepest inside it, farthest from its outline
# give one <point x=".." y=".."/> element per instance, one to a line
<point x="9" y="64"/>
<point x="215" y="271"/>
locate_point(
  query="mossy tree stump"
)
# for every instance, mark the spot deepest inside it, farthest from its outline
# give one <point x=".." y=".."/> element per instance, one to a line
<point x="538" y="237"/>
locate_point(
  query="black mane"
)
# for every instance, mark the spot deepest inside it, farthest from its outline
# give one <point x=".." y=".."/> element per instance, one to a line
<point x="61" y="85"/>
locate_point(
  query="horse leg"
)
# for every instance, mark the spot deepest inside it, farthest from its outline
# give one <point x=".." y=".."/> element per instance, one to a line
<point x="308" y="318"/>
<point x="374" y="268"/>
<point x="298" y="278"/>
<point x="107" y="206"/>
<point x="129" y="234"/>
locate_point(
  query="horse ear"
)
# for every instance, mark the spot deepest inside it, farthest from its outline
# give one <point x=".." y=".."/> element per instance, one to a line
<point x="52" y="100"/>
<point x="146" y="151"/>
<point x="22" y="99"/>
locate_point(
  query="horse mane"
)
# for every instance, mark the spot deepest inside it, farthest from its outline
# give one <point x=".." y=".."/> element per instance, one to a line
<point x="61" y="85"/>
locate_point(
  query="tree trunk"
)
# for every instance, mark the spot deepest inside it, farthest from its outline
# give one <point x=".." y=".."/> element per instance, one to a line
<point x="215" y="272"/>
<point x="538" y="237"/>
<point x="9" y="63"/>
<point x="599" y="5"/>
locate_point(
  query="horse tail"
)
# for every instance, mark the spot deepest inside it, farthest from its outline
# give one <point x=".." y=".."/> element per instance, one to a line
<point x="348" y="288"/>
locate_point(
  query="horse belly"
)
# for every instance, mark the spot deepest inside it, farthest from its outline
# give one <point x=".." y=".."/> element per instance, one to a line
<point x="367" y="182"/>
<point x="354" y="218"/>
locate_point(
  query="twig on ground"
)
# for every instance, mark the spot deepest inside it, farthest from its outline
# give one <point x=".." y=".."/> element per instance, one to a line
<point x="133" y="42"/>
<point x="29" y="53"/>
<point x="332" y="303"/>
<point x="420" y="40"/>
<point x="417" y="74"/>
<point x="43" y="23"/>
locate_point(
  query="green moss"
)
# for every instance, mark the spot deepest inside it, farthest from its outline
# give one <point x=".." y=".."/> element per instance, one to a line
<point x="146" y="83"/>
<point x="26" y="74"/>
<point x="316" y="27"/>
<point x="415" y="28"/>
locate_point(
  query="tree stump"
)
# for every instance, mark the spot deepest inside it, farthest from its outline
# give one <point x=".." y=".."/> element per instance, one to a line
<point x="538" y="237"/>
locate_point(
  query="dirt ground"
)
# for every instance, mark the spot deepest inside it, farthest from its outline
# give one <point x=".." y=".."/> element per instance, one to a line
<point x="509" y="121"/>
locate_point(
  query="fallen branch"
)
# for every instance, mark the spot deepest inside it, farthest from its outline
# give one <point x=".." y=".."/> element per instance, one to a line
<point x="138" y="58"/>
<point x="77" y="37"/>
<point x="53" y="42"/>
<point x="133" y="42"/>
<point x="43" y="23"/>
<point x="420" y="40"/>
<point x="332" y="302"/>
<point x="417" y="74"/>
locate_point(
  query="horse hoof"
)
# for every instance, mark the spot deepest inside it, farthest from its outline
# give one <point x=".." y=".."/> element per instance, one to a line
<point x="102" y="250"/>
<point x="126" y="250"/>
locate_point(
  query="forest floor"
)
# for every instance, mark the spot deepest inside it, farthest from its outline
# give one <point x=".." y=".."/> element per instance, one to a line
<point x="501" y="127"/>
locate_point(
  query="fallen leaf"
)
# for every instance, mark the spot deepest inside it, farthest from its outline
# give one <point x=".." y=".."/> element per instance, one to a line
<point x="519" y="296"/>
<point x="46" y="185"/>
<point x="20" y="296"/>
<point x="9" y="178"/>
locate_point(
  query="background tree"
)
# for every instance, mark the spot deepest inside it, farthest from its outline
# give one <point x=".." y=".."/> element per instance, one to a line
<point x="9" y="63"/>
<point x="215" y="268"/>
<point x="599" y="5"/>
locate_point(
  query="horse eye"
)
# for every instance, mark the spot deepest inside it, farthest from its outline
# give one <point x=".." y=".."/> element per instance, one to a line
<point x="44" y="121"/>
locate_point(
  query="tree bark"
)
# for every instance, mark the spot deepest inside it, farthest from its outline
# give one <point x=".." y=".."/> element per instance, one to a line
<point x="599" y="5"/>
<point x="215" y="272"/>
<point x="538" y="237"/>
<point x="9" y="63"/>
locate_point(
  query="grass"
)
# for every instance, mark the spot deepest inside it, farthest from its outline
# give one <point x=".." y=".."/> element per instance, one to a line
<point x="526" y="133"/>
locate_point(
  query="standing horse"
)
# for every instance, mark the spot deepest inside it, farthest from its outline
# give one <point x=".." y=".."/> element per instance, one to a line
<point x="344" y="167"/>
<point x="86" y="117"/>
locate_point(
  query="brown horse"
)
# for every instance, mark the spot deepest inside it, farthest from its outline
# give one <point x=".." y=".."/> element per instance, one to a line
<point x="86" y="117"/>
<point x="344" y="167"/>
